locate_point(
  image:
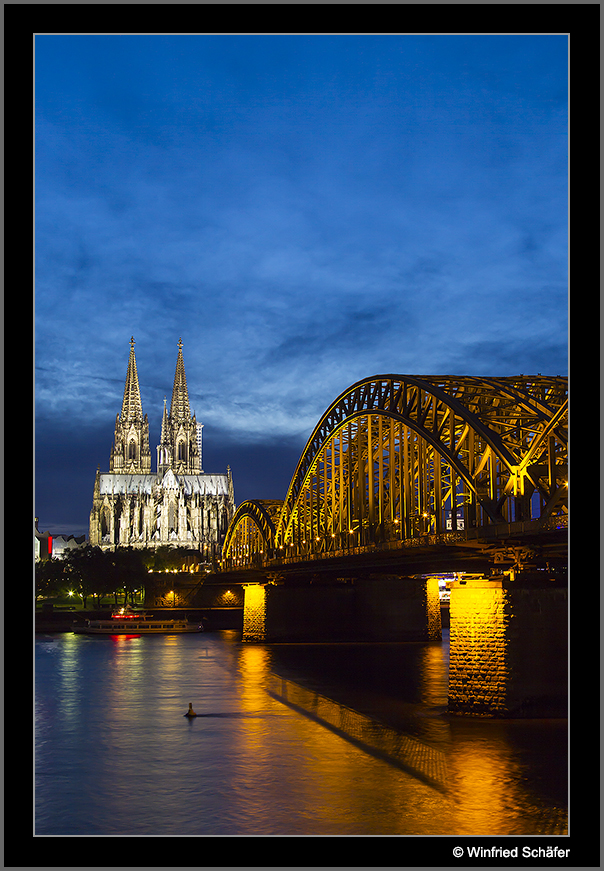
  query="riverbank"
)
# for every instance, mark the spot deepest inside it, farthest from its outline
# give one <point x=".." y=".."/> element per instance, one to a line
<point x="48" y="621"/>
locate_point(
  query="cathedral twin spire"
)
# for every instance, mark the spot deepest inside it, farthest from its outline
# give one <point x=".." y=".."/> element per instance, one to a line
<point x="180" y="443"/>
<point x="130" y="453"/>
<point x="177" y="505"/>
<point x="180" y="397"/>
<point x="132" y="407"/>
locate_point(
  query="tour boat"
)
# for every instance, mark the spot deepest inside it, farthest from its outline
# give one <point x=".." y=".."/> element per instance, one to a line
<point x="127" y="621"/>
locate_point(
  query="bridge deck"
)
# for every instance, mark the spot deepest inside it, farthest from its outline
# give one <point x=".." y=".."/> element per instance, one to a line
<point x="465" y="550"/>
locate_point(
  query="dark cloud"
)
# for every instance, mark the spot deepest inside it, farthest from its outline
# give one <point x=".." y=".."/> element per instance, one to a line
<point x="510" y="356"/>
<point x="336" y="333"/>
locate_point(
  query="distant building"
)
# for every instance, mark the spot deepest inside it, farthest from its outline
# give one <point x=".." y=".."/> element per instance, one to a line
<point x="55" y="546"/>
<point x="42" y="542"/>
<point x="61" y="544"/>
<point x="178" y="505"/>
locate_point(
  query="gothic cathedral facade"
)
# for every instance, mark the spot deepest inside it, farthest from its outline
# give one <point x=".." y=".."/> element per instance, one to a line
<point x="179" y="505"/>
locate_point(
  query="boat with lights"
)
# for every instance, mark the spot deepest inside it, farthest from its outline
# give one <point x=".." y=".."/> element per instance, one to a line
<point x="128" y="621"/>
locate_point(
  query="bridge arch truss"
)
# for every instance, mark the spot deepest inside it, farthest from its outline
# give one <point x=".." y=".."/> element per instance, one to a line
<point x="399" y="456"/>
<point x="250" y="537"/>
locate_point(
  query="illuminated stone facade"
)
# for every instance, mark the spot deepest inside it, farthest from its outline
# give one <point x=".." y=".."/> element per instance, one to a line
<point x="254" y="613"/>
<point x="433" y="609"/>
<point x="508" y="649"/>
<point x="478" y="667"/>
<point x="179" y="505"/>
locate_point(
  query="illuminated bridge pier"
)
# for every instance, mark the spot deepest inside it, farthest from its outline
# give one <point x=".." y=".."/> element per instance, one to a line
<point x="405" y="476"/>
<point x="508" y="648"/>
<point x="375" y="609"/>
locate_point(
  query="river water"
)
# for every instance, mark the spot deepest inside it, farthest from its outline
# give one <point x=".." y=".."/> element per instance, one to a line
<point x="290" y="739"/>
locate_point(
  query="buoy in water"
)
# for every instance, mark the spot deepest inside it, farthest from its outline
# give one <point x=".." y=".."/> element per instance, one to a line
<point x="190" y="712"/>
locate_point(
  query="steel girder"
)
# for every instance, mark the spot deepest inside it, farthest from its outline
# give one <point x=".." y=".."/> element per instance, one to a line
<point x="484" y="437"/>
<point x="396" y="456"/>
<point x="251" y="532"/>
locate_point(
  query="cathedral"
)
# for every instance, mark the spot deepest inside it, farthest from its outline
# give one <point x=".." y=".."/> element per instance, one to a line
<point x="179" y="505"/>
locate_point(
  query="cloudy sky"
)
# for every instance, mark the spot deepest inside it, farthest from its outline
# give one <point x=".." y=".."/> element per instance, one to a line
<point x="304" y="211"/>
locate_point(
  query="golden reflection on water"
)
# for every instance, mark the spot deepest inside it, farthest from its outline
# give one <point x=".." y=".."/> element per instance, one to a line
<point x="253" y="671"/>
<point x="487" y="784"/>
<point x="277" y="757"/>
<point x="334" y="780"/>
<point x="335" y="783"/>
<point x="468" y="781"/>
<point x="433" y="689"/>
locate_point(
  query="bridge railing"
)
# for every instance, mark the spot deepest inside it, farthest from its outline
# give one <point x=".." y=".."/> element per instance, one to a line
<point x="289" y="554"/>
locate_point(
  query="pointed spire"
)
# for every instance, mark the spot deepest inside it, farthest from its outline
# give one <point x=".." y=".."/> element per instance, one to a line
<point x="230" y="487"/>
<point x="132" y="408"/>
<point x="164" y="425"/>
<point x="179" y="408"/>
<point x="130" y="451"/>
<point x="164" y="449"/>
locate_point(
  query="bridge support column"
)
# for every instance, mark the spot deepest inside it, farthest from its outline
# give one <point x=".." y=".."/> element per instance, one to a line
<point x="254" y="612"/>
<point x="390" y="608"/>
<point x="395" y="608"/>
<point x="277" y="612"/>
<point x="508" y="649"/>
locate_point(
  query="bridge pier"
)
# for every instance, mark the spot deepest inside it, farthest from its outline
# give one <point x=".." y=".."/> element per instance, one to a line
<point x="508" y="648"/>
<point x="275" y="612"/>
<point x="379" y="608"/>
<point x="395" y="608"/>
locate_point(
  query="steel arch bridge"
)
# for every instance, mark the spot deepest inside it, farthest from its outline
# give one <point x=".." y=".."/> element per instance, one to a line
<point x="400" y="457"/>
<point x="250" y="538"/>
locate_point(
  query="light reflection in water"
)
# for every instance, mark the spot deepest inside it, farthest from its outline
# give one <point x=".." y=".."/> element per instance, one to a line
<point x="483" y="771"/>
<point x="69" y="666"/>
<point x="491" y="782"/>
<point x="115" y="756"/>
<point x="433" y="686"/>
<point x="486" y="785"/>
<point x="336" y="784"/>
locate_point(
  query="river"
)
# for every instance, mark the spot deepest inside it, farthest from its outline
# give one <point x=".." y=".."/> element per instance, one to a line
<point x="290" y="739"/>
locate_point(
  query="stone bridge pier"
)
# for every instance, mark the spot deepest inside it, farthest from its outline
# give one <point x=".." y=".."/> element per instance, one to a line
<point x="508" y="648"/>
<point x="508" y="638"/>
<point x="375" y="608"/>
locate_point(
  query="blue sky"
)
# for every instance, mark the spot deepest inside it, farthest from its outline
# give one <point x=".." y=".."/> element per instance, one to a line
<point x="304" y="211"/>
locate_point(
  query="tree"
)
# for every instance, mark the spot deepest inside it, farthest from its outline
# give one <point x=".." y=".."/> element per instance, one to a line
<point x="129" y="571"/>
<point x="50" y="577"/>
<point x="87" y="569"/>
<point x="164" y="558"/>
